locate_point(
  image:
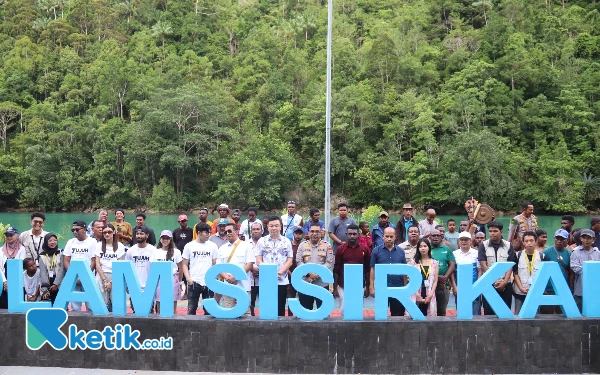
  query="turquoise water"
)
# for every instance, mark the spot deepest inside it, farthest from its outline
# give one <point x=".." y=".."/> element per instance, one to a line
<point x="60" y="223"/>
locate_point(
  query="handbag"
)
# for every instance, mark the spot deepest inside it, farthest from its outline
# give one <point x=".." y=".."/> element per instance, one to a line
<point x="220" y="278"/>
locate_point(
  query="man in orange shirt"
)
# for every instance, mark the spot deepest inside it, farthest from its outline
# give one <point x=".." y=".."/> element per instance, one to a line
<point x="224" y="212"/>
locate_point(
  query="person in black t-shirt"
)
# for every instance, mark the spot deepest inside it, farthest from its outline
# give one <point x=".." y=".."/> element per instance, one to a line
<point x="182" y="235"/>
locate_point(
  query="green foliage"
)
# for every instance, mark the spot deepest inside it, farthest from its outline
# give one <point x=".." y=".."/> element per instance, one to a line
<point x="371" y="214"/>
<point x="433" y="102"/>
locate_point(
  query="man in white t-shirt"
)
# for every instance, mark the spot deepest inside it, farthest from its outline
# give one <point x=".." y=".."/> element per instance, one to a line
<point x="246" y="226"/>
<point x="33" y="239"/>
<point x="291" y="220"/>
<point x="236" y="251"/>
<point x="81" y="247"/>
<point x="140" y="254"/>
<point x="200" y="255"/>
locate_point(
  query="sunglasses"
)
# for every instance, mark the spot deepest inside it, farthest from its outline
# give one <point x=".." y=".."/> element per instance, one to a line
<point x="75" y="230"/>
<point x="165" y="238"/>
<point x="108" y="232"/>
<point x="37" y="221"/>
<point x="228" y="231"/>
<point x="183" y="221"/>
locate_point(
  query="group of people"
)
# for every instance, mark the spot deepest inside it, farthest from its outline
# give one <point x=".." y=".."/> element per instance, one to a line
<point x="288" y="242"/>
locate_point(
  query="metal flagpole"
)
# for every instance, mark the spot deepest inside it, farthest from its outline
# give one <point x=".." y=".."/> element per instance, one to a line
<point x="328" y="116"/>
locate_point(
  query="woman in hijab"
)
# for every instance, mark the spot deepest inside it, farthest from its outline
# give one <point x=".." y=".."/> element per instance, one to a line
<point x="12" y="249"/>
<point x="51" y="268"/>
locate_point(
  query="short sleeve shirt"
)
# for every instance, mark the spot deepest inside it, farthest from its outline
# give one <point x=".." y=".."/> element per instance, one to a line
<point x="160" y="255"/>
<point x="337" y="226"/>
<point x="443" y="255"/>
<point x="243" y="254"/>
<point x="276" y="252"/>
<point x="140" y="256"/>
<point x="381" y="255"/>
<point x="81" y="250"/>
<point x="200" y="256"/>
<point x="108" y="257"/>
<point x="470" y="257"/>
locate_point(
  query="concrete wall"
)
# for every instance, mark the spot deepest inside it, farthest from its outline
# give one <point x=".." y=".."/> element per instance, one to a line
<point x="440" y="345"/>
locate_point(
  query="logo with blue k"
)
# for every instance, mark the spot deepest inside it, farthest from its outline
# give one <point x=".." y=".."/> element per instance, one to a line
<point x="43" y="326"/>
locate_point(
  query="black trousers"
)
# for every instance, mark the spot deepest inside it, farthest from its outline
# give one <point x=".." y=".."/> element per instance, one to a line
<point x="506" y="296"/>
<point x="396" y="308"/>
<point x="281" y="299"/>
<point x="308" y="301"/>
<point x="194" y="292"/>
<point x="253" y="295"/>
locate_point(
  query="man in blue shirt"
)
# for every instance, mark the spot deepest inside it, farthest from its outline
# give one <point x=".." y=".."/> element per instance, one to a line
<point x="560" y="254"/>
<point x="377" y="232"/>
<point x="314" y="214"/>
<point x="389" y="253"/>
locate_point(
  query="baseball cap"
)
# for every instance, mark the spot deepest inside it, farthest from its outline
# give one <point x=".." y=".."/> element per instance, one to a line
<point x="167" y="233"/>
<point x="298" y="228"/>
<point x="223" y="221"/>
<point x="182" y="217"/>
<point x="587" y="232"/>
<point x="79" y="223"/>
<point x="561" y="233"/>
<point x="143" y="228"/>
<point x="464" y="235"/>
<point x="11" y="231"/>
<point x="383" y="213"/>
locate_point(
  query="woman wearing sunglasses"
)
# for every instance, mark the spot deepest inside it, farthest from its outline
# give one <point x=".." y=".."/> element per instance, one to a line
<point x="109" y="250"/>
<point x="166" y="252"/>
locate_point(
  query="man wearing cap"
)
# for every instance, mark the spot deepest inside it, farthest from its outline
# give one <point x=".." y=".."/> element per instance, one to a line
<point x="235" y="251"/>
<point x="298" y="236"/>
<point x="182" y="235"/>
<point x="224" y="212"/>
<point x="81" y="247"/>
<point x="446" y="263"/>
<point x="318" y="252"/>
<point x="140" y="254"/>
<point x="140" y="220"/>
<point x="428" y="224"/>
<point x="12" y="249"/>
<point x="291" y="220"/>
<point x="560" y="254"/>
<point x="246" y="227"/>
<point x="33" y="239"/>
<point x="220" y="238"/>
<point x="465" y="254"/>
<point x="406" y="221"/>
<point x="410" y="246"/>
<point x="524" y="222"/>
<point x="595" y="226"/>
<point x="581" y="254"/>
<point x="377" y="231"/>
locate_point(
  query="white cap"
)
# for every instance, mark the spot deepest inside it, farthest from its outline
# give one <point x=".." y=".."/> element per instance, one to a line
<point x="464" y="235"/>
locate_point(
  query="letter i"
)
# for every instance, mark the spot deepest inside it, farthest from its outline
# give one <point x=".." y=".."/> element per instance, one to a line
<point x="119" y="336"/>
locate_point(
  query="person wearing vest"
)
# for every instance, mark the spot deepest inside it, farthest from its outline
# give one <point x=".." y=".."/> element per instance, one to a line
<point x="528" y="262"/>
<point x="497" y="250"/>
<point x="406" y="221"/>
<point x="524" y="222"/>
<point x="314" y="251"/>
<point x="33" y="239"/>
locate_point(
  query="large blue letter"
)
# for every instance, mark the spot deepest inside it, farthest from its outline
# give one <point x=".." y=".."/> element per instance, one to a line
<point x="353" y="291"/>
<point x="16" y="301"/>
<point x="125" y="276"/>
<point x="591" y="299"/>
<point x="312" y="290"/>
<point x="268" y="289"/>
<point x="467" y="291"/>
<point x="402" y="294"/>
<point x="80" y="270"/>
<point x="549" y="271"/>
<point x="221" y="287"/>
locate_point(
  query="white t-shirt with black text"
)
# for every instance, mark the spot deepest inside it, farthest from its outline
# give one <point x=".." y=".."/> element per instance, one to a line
<point x="160" y="255"/>
<point x="109" y="256"/>
<point x="81" y="250"/>
<point x="200" y="256"/>
<point x="140" y="256"/>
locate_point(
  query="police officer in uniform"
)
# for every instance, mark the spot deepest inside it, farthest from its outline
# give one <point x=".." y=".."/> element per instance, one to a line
<point x="314" y="251"/>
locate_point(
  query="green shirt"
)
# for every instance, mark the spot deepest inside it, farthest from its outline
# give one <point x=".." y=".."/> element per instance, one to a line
<point x="443" y="255"/>
<point x="552" y="255"/>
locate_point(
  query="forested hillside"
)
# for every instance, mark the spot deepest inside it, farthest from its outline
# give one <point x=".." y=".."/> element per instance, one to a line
<point x="174" y="103"/>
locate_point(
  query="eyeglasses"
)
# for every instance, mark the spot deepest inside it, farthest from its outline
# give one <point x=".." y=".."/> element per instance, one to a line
<point x="108" y="232"/>
<point x="38" y="222"/>
<point x="75" y="230"/>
